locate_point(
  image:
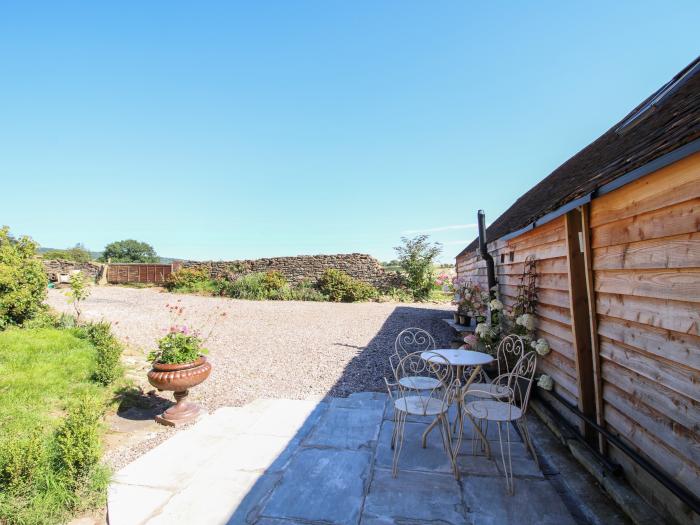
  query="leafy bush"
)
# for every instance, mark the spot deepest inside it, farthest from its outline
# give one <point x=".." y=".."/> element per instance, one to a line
<point x="78" y="254"/>
<point x="23" y="281"/>
<point x="129" y="251"/>
<point x="177" y="347"/>
<point x="305" y="291"/>
<point x="77" y="446"/>
<point x="417" y="258"/>
<point x="274" y="281"/>
<point x="44" y="318"/>
<point x="339" y="286"/>
<point x="400" y="295"/>
<point x="20" y="461"/>
<point x="189" y="280"/>
<point x="109" y="351"/>
<point x="252" y="286"/>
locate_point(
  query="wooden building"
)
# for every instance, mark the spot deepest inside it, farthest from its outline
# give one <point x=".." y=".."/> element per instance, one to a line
<point x="615" y="231"/>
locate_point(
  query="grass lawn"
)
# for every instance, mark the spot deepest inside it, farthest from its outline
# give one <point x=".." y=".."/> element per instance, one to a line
<point x="42" y="371"/>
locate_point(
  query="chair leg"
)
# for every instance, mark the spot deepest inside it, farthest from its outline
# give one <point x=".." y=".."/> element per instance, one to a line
<point x="525" y="432"/>
<point x="401" y="420"/>
<point x="507" y="466"/>
<point x="482" y="437"/>
<point x="447" y="440"/>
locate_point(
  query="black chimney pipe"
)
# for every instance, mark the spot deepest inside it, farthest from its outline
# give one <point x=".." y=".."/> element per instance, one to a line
<point x="490" y="272"/>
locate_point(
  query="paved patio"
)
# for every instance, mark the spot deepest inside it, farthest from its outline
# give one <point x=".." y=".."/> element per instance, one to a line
<point x="325" y="461"/>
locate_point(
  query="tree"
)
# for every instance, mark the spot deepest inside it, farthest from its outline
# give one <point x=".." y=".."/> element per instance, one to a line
<point x="417" y="258"/>
<point x="79" y="291"/>
<point x="23" y="280"/>
<point x="129" y="251"/>
<point x="77" y="253"/>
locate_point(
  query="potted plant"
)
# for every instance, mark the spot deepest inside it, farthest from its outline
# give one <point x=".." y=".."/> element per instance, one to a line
<point x="471" y="301"/>
<point x="178" y="365"/>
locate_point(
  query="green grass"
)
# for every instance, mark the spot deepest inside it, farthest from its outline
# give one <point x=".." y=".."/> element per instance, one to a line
<point x="43" y="373"/>
<point x="39" y="370"/>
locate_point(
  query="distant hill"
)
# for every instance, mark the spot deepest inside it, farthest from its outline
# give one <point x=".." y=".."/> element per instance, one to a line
<point x="97" y="255"/>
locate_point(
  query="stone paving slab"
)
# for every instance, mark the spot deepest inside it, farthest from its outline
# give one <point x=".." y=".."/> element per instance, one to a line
<point x="323" y="462"/>
<point x="323" y="485"/>
<point x="347" y="428"/>
<point x="413" y="497"/>
<point x="534" y="502"/>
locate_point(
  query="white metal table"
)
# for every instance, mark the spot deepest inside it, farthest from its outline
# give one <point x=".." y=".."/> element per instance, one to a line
<point x="458" y="359"/>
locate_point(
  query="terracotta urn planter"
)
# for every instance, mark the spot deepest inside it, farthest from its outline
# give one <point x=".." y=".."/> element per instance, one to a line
<point x="179" y="379"/>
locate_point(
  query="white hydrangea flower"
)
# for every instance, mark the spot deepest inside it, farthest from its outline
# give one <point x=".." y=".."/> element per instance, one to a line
<point x="496" y="305"/>
<point x="527" y="321"/>
<point x="541" y="346"/>
<point x="482" y="329"/>
<point x="545" y="382"/>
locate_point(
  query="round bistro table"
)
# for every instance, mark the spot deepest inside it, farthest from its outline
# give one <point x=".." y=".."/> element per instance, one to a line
<point x="458" y="360"/>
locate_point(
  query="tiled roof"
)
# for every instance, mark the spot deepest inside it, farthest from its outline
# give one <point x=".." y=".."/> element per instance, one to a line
<point x="671" y="119"/>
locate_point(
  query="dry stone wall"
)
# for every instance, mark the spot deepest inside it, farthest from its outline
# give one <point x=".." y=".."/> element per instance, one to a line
<point x="54" y="268"/>
<point x="303" y="267"/>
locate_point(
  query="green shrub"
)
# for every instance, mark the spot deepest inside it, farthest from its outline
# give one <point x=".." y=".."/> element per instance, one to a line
<point x="339" y="286"/>
<point x="304" y="291"/>
<point x="23" y="281"/>
<point x="44" y="318"/>
<point x="417" y="260"/>
<point x="77" y="445"/>
<point x="251" y="286"/>
<point x="109" y="350"/>
<point x="274" y="281"/>
<point x="20" y="462"/>
<point x="188" y="280"/>
<point x="400" y="295"/>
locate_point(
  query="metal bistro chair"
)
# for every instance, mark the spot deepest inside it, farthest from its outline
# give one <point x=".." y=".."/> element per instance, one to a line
<point x="408" y="341"/>
<point x="413" y="399"/>
<point x="509" y="351"/>
<point x="509" y="409"/>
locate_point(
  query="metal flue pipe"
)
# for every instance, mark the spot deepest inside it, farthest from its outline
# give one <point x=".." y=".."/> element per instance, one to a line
<point x="490" y="272"/>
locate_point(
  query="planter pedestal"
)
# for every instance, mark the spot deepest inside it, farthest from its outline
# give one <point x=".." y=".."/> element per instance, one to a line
<point x="179" y="378"/>
<point x="181" y="412"/>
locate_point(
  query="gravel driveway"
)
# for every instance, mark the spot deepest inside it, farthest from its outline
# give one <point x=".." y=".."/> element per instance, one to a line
<point x="286" y="349"/>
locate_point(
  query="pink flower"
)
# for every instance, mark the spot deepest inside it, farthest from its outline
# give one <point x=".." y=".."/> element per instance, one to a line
<point x="470" y="340"/>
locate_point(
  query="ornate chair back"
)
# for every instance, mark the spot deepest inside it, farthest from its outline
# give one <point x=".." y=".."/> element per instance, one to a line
<point x="408" y="341"/>
<point x="520" y="380"/>
<point x="509" y="351"/>
<point x="424" y="365"/>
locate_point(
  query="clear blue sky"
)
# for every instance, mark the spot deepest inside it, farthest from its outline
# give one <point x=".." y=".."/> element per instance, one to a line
<point x="234" y="130"/>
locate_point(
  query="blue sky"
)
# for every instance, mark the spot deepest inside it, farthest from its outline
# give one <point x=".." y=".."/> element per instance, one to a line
<point x="235" y="130"/>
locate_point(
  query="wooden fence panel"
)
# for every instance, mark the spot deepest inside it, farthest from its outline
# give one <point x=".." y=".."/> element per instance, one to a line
<point x="138" y="273"/>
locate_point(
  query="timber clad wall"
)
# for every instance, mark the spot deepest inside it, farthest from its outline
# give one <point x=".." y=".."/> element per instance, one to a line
<point x="646" y="265"/>
<point x="645" y="248"/>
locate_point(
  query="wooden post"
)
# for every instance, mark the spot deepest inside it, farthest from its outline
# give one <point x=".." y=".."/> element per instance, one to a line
<point x="580" y="318"/>
<point x="593" y="325"/>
